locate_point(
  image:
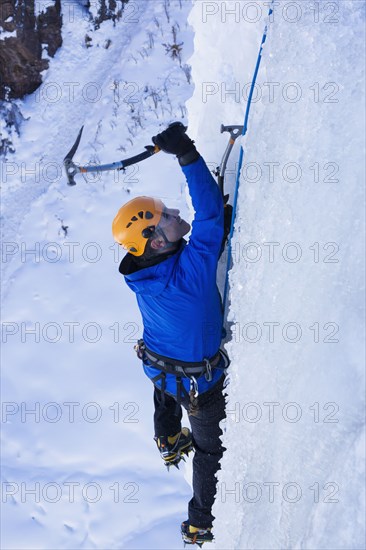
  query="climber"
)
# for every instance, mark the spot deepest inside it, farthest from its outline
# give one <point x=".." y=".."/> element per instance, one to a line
<point x="175" y="286"/>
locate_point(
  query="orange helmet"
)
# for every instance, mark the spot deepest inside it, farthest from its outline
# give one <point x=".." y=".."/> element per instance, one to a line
<point x="131" y="220"/>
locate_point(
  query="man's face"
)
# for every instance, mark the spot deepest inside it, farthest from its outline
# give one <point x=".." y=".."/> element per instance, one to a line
<point x="172" y="224"/>
<point x="170" y="230"/>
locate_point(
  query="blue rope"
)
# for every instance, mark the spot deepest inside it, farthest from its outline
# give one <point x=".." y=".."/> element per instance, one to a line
<point x="241" y="156"/>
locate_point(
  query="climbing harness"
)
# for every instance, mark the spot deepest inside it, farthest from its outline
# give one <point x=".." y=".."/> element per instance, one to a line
<point x="181" y="369"/>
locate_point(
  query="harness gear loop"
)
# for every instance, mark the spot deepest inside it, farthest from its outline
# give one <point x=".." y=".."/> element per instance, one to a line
<point x="208" y="373"/>
<point x="194" y="386"/>
<point x="140" y="348"/>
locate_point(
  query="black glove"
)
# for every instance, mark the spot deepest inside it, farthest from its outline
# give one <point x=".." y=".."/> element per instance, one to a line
<point x="175" y="141"/>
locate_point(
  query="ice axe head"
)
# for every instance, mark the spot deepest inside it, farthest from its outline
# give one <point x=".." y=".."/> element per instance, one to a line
<point x="70" y="167"/>
<point x="71" y="170"/>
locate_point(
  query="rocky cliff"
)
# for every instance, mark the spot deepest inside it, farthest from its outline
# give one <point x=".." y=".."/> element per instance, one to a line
<point x="30" y="34"/>
<point x="21" y="51"/>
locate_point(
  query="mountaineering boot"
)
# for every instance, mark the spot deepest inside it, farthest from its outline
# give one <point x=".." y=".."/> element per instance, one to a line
<point x="173" y="447"/>
<point x="195" y="535"/>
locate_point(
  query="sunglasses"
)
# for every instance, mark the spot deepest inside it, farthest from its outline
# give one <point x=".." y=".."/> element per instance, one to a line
<point x="148" y="232"/>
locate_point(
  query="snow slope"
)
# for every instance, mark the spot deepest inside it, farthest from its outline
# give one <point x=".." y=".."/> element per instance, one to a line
<point x="292" y="472"/>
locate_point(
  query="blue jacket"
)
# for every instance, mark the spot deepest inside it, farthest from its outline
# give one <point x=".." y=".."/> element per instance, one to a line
<point x="178" y="298"/>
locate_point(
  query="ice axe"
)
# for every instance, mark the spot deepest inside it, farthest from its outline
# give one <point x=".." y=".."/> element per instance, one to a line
<point x="235" y="131"/>
<point x="72" y="169"/>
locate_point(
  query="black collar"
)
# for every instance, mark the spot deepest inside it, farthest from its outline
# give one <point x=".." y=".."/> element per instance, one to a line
<point x="130" y="264"/>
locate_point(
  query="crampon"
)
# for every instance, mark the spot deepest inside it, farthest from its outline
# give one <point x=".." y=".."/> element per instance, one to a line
<point x="173" y="449"/>
<point x="195" y="535"/>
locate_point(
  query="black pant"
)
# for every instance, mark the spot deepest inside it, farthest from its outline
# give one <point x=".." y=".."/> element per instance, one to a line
<point x="206" y="437"/>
